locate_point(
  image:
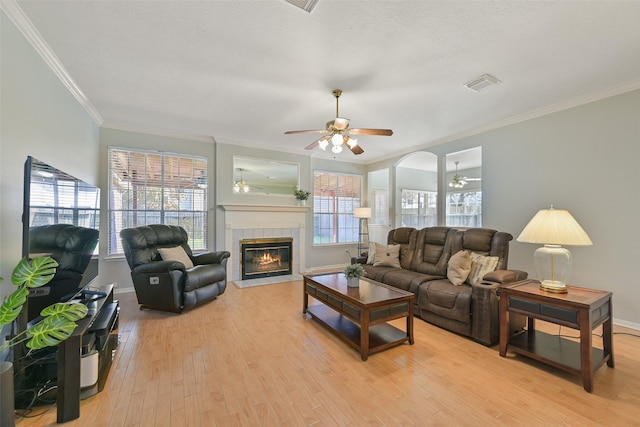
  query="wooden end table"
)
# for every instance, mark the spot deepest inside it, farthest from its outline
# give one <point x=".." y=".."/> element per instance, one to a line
<point x="580" y="308"/>
<point x="359" y="315"/>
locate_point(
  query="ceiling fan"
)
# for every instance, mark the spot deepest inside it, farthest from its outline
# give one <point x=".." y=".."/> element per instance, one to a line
<point x="459" y="181"/>
<point x="242" y="186"/>
<point x="339" y="133"/>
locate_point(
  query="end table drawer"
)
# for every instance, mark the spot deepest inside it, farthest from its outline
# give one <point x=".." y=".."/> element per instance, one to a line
<point x="544" y="310"/>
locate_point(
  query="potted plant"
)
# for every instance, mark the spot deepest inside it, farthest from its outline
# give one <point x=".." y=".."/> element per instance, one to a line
<point x="58" y="322"/>
<point x="353" y="273"/>
<point x="301" y="195"/>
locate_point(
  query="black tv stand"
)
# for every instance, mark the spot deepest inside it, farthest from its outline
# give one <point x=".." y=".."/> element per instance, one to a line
<point x="103" y="322"/>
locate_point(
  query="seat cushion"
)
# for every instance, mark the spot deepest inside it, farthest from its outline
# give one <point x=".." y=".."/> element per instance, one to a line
<point x="443" y="298"/>
<point x="203" y="275"/>
<point x="407" y="280"/>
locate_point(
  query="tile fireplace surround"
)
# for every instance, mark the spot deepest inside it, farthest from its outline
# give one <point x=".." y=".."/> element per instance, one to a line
<point x="259" y="221"/>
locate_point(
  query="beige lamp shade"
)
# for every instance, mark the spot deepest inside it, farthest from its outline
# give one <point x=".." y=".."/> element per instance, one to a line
<point x="553" y="263"/>
<point x="362" y="212"/>
<point x="554" y="227"/>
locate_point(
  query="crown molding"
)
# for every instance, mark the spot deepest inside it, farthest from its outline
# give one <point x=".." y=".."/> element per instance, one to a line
<point x="543" y="111"/>
<point x="158" y="132"/>
<point x="25" y="26"/>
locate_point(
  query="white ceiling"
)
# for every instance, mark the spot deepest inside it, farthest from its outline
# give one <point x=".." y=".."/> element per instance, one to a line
<point x="243" y="72"/>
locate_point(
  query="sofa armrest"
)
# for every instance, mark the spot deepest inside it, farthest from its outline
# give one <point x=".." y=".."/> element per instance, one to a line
<point x="157" y="267"/>
<point x="358" y="260"/>
<point x="485" y="299"/>
<point x="210" y="257"/>
<point x="504" y="276"/>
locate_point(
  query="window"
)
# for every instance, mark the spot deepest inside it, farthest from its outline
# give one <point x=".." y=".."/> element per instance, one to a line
<point x="464" y="209"/>
<point x="152" y="187"/>
<point x="380" y="209"/>
<point x="419" y="208"/>
<point x="335" y="196"/>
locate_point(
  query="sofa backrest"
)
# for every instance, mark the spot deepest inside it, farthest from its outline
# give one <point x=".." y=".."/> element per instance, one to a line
<point x="406" y="238"/>
<point x="433" y="250"/>
<point x="484" y="241"/>
<point x="141" y="244"/>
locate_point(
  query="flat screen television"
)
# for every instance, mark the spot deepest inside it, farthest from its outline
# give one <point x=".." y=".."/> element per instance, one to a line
<point x="60" y="205"/>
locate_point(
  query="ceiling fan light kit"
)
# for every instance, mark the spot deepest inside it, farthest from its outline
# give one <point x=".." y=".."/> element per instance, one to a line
<point x="339" y="133"/>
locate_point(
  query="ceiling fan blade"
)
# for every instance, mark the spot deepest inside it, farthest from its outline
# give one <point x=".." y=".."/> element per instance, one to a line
<point x="381" y="132"/>
<point x="291" y="132"/>
<point x="311" y="146"/>
<point x="356" y="149"/>
<point x="316" y="143"/>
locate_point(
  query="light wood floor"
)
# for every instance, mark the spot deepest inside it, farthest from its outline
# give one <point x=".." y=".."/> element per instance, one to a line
<point x="250" y="358"/>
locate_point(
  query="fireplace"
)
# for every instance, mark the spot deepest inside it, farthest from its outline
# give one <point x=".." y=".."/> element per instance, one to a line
<point x="266" y="257"/>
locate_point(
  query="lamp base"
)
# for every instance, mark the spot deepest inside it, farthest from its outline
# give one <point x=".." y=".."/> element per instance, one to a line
<point x="553" y="286"/>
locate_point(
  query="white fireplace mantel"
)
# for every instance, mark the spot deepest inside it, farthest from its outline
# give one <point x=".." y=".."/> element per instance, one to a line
<point x="256" y="221"/>
<point x="264" y="208"/>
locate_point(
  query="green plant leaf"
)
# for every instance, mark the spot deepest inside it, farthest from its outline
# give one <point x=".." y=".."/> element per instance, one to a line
<point x="50" y="331"/>
<point x="72" y="311"/>
<point x="12" y="305"/>
<point x="34" y="274"/>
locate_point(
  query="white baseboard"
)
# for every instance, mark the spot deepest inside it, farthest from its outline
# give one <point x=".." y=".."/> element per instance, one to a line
<point x="624" y="323"/>
<point x="319" y="269"/>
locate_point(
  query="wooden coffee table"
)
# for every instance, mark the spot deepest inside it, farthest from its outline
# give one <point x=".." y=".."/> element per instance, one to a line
<point x="359" y="315"/>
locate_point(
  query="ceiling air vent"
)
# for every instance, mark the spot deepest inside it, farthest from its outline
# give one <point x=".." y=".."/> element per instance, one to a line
<point x="482" y="82"/>
<point x="306" y="5"/>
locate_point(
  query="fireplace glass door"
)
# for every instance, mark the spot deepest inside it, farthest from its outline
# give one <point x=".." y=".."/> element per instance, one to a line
<point x="265" y="257"/>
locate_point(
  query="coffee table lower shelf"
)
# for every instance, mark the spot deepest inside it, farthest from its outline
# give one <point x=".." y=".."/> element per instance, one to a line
<point x="381" y="336"/>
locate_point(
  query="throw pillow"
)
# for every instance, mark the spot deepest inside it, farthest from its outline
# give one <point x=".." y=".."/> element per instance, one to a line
<point x="459" y="267"/>
<point x="176" y="253"/>
<point x="372" y="253"/>
<point x="481" y="265"/>
<point x="387" y="256"/>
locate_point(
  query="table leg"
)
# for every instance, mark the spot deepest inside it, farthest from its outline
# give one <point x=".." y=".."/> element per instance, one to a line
<point x="586" y="354"/>
<point x="68" y="395"/>
<point x="410" y="323"/>
<point x="364" y="334"/>
<point x="504" y="325"/>
<point x="305" y="297"/>
<point x="607" y="333"/>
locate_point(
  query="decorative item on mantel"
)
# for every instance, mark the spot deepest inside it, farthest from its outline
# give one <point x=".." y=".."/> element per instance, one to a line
<point x="302" y="196"/>
<point x="553" y="263"/>
<point x="353" y="273"/>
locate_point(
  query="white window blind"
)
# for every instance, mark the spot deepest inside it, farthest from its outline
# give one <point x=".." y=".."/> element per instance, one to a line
<point x="152" y="187"/>
<point x="335" y="196"/>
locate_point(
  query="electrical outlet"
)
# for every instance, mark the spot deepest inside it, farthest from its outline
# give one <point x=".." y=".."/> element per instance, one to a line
<point x="154" y="280"/>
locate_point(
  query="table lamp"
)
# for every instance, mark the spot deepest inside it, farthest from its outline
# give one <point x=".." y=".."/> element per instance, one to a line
<point x="363" y="213"/>
<point x="553" y="228"/>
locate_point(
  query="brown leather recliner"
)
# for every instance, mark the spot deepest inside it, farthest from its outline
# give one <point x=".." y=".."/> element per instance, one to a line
<point x="169" y="285"/>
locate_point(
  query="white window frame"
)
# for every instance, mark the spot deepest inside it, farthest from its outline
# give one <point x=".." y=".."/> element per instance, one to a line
<point x="423" y="212"/>
<point x="334" y="201"/>
<point x="464" y="209"/>
<point x="173" y="195"/>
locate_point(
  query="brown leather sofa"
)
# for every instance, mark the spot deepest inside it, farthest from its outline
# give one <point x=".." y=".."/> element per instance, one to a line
<point x="469" y="310"/>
